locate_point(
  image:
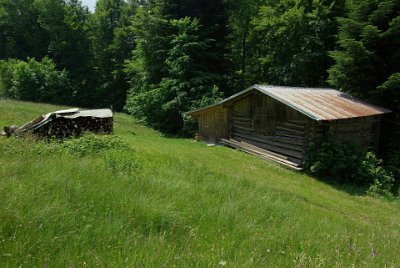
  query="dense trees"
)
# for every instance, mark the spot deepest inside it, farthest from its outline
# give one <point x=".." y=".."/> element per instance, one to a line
<point x="112" y="45"/>
<point x="283" y="42"/>
<point x="65" y="23"/>
<point x="174" y="66"/>
<point x="21" y="35"/>
<point x="34" y="81"/>
<point x="161" y="58"/>
<point x="367" y="61"/>
<point x="91" y="48"/>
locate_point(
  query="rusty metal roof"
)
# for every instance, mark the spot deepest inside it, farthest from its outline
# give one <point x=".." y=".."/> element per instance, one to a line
<point x="321" y="104"/>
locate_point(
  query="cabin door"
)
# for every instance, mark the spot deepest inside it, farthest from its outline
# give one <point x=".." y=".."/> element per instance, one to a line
<point x="263" y="116"/>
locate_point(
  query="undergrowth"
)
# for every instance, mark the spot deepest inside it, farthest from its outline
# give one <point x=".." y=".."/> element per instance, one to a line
<point x="349" y="163"/>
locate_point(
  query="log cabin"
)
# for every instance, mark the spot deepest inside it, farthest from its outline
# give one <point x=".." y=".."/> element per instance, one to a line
<point x="278" y="123"/>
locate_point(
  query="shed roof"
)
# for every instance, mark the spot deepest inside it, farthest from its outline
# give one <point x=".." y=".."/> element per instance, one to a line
<point x="321" y="104"/>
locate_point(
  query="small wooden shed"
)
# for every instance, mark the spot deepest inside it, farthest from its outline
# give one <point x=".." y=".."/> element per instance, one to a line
<point x="278" y="123"/>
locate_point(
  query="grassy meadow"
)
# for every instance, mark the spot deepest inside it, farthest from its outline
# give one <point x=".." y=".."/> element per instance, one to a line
<point x="155" y="201"/>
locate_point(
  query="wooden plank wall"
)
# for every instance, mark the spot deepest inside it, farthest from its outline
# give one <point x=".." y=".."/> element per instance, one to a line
<point x="364" y="131"/>
<point x="262" y="121"/>
<point x="213" y="124"/>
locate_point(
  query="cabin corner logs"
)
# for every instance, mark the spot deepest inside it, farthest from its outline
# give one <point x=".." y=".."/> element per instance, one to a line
<point x="261" y="125"/>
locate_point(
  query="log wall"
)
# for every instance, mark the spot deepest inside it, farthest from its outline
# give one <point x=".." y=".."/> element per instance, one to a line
<point x="363" y="131"/>
<point x="262" y="121"/>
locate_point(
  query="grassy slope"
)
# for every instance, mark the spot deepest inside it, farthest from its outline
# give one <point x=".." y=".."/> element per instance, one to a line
<point x="181" y="204"/>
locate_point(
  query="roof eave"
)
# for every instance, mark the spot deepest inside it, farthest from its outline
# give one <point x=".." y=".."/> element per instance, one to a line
<point x="194" y="112"/>
<point x="257" y="87"/>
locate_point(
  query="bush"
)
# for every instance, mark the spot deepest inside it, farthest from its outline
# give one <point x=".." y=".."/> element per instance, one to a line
<point x="34" y="81"/>
<point x="393" y="166"/>
<point x="91" y="144"/>
<point x="6" y="82"/>
<point x="333" y="160"/>
<point x="349" y="163"/>
<point x="372" y="171"/>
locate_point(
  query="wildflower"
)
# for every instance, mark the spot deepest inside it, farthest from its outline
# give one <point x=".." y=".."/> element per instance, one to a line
<point x="222" y="263"/>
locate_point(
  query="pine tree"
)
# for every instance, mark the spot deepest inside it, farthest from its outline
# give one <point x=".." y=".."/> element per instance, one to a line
<point x="171" y="70"/>
<point x="367" y="62"/>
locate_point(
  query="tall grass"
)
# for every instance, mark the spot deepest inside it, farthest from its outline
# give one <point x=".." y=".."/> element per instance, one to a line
<point x="162" y="202"/>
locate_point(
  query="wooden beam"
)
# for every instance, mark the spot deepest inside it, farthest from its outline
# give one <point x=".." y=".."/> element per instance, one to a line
<point x="264" y="155"/>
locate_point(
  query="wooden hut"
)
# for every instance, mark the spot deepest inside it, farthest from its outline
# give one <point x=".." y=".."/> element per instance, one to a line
<point x="278" y="123"/>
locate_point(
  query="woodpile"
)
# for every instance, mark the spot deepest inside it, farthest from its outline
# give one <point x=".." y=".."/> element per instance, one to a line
<point x="66" y="123"/>
<point x="8" y="131"/>
<point x="63" y="127"/>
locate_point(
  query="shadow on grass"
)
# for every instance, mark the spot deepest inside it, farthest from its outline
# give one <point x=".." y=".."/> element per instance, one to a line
<point x="349" y="188"/>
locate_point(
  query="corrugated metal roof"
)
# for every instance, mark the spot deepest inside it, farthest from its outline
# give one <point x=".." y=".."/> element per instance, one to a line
<point x="69" y="114"/>
<point x="317" y="103"/>
<point x="99" y="113"/>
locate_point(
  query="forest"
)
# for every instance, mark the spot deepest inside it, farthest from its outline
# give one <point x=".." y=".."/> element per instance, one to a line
<point x="157" y="59"/>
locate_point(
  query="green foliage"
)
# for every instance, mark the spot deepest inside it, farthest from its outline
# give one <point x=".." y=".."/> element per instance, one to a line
<point x="91" y="144"/>
<point x="188" y="84"/>
<point x="21" y="35"/>
<point x="335" y="161"/>
<point x="371" y="169"/>
<point x="147" y="68"/>
<point x="34" y="81"/>
<point x="348" y="163"/>
<point x="6" y="74"/>
<point x="112" y="43"/>
<point x="294" y="39"/>
<point x="244" y="49"/>
<point x="393" y="166"/>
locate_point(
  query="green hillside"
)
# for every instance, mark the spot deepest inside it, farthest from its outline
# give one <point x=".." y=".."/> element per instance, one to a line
<point x="155" y="201"/>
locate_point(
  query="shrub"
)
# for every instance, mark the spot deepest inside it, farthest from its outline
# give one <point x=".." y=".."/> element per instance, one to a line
<point x="6" y="82"/>
<point x="91" y="144"/>
<point x="393" y="165"/>
<point x="333" y="160"/>
<point x="372" y="171"/>
<point x="349" y="163"/>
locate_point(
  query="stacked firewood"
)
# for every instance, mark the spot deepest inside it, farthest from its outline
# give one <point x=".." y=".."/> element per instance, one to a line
<point x="8" y="131"/>
<point x="62" y="127"/>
